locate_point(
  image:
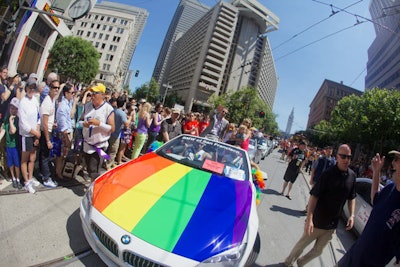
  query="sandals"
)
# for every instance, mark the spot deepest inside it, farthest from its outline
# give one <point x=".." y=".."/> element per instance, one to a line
<point x="288" y="197"/>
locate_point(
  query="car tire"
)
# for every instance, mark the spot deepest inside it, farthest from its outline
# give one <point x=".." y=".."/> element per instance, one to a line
<point x="254" y="253"/>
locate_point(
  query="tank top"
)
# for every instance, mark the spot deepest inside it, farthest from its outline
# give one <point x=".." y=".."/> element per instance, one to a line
<point x="153" y="128"/>
<point x="142" y="128"/>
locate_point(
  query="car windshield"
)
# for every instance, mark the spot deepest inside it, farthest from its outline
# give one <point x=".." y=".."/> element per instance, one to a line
<point x="207" y="155"/>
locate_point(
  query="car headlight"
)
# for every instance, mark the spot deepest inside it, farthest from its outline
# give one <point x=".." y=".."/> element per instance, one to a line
<point x="87" y="198"/>
<point x="227" y="258"/>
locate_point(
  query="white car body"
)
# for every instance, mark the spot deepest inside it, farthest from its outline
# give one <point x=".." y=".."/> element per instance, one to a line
<point x="363" y="204"/>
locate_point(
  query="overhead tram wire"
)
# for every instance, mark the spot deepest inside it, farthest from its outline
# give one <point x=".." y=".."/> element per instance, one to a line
<point x="359" y="16"/>
<point x="358" y="76"/>
<point x="313" y="25"/>
<point x="316" y="41"/>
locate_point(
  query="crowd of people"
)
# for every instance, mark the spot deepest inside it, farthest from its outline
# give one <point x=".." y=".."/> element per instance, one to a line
<point x="45" y="122"/>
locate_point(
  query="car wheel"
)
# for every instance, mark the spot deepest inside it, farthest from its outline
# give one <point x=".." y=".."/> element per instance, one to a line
<point x="254" y="253"/>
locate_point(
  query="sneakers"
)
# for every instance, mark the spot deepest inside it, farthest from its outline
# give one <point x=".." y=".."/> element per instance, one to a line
<point x="50" y="183"/>
<point x="14" y="183"/>
<point x="35" y="182"/>
<point x="29" y="187"/>
<point x="19" y="185"/>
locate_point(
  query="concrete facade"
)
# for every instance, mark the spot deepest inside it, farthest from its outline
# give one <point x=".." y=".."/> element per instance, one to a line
<point x="383" y="70"/>
<point x="114" y="30"/>
<point x="224" y="51"/>
<point x="187" y="13"/>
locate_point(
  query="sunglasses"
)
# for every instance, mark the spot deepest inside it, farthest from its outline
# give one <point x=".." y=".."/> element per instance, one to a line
<point x="343" y="156"/>
<point x="55" y="87"/>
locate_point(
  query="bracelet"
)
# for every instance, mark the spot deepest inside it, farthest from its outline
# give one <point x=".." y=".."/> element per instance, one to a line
<point x="351" y="216"/>
<point x="48" y="142"/>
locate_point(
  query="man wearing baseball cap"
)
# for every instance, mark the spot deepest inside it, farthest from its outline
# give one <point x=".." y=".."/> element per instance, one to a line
<point x="380" y="239"/>
<point x="98" y="124"/>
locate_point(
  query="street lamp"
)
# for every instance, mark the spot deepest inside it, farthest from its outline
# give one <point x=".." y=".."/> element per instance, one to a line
<point x="167" y="86"/>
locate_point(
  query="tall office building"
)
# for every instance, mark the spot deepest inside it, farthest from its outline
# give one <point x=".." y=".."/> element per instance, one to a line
<point x="114" y="29"/>
<point x="383" y="69"/>
<point x="226" y="50"/>
<point x="187" y="13"/>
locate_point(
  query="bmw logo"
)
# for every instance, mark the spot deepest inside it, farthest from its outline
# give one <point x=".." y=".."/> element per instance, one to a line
<point x="126" y="239"/>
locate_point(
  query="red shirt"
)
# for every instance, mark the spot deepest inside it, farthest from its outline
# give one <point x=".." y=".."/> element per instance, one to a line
<point x="192" y="127"/>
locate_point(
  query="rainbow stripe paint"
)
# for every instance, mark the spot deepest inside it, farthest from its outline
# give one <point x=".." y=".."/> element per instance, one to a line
<point x="177" y="208"/>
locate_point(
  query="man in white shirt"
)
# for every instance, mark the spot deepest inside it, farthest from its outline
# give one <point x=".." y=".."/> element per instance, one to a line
<point x="29" y="129"/>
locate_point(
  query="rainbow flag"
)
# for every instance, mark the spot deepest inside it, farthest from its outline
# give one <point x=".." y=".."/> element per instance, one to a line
<point x="183" y="210"/>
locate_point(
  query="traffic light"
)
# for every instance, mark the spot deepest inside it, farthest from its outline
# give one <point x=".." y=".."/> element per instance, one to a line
<point x="261" y="114"/>
<point x="137" y="73"/>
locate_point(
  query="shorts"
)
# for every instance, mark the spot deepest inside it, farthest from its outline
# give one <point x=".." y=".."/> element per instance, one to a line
<point x="12" y="157"/>
<point x="27" y="143"/>
<point x="290" y="175"/>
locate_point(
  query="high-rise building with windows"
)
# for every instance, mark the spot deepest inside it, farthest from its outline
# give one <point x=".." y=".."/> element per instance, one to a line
<point x="114" y="30"/>
<point x="225" y="50"/>
<point x="187" y="13"/>
<point x="383" y="69"/>
<point x="326" y="100"/>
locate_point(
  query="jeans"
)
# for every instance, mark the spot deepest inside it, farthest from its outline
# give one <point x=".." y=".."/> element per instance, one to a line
<point x="44" y="157"/>
<point x="93" y="164"/>
<point x="139" y="142"/>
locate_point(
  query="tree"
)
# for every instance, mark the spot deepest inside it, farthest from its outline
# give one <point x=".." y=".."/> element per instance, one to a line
<point x="245" y="103"/>
<point x="149" y="91"/>
<point x="75" y="59"/>
<point x="372" y="119"/>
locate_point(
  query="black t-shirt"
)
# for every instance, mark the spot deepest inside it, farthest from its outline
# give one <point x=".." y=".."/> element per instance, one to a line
<point x="297" y="156"/>
<point x="332" y="189"/>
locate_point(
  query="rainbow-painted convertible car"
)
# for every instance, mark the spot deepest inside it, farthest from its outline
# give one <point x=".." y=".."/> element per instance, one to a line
<point x="191" y="202"/>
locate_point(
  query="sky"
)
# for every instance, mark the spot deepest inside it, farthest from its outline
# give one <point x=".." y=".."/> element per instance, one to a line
<point x="315" y="41"/>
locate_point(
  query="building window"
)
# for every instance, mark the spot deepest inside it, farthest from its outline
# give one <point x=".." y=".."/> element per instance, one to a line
<point x="96" y="44"/>
<point x="96" y="17"/>
<point x="98" y="26"/>
<point x="108" y="19"/>
<point x="114" y="20"/>
<point x="107" y="36"/>
<point x="104" y="27"/>
<point x="102" y="18"/>
<point x="103" y="45"/>
<point x="88" y="34"/>
<point x="110" y="28"/>
<point x="94" y="34"/>
<point x="92" y="26"/>
<point x="100" y="35"/>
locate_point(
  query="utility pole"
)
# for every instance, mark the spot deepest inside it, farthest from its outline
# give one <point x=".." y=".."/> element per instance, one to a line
<point x="167" y="86"/>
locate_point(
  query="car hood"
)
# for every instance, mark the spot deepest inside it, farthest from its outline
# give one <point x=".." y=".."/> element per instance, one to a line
<point x="183" y="210"/>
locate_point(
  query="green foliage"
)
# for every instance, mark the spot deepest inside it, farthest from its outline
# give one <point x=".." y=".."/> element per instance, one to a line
<point x="322" y="134"/>
<point x="372" y="119"/>
<point x="149" y="91"/>
<point x="245" y="103"/>
<point x="75" y="59"/>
